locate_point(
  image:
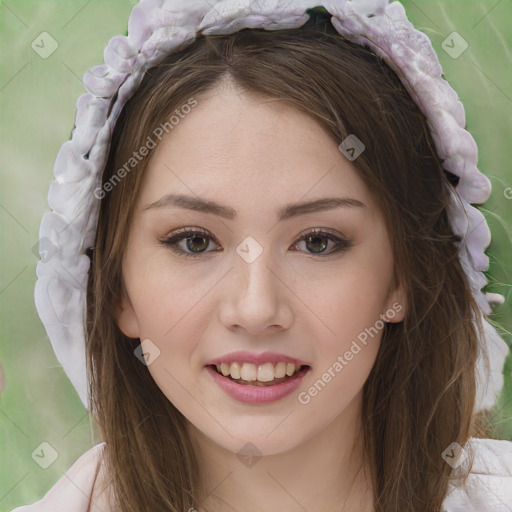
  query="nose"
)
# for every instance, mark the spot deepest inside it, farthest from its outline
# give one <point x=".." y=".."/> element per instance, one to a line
<point x="256" y="297"/>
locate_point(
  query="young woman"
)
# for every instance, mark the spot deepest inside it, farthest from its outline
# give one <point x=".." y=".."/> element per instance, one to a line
<point x="284" y="306"/>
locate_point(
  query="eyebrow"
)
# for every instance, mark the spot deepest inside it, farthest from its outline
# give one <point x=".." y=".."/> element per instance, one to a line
<point x="286" y="212"/>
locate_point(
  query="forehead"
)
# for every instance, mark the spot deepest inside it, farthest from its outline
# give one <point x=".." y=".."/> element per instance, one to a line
<point x="246" y="149"/>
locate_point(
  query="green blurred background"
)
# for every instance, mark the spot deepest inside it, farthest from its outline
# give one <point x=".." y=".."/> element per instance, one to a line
<point x="37" y="105"/>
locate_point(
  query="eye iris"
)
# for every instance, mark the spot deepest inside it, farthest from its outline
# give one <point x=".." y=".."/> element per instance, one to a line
<point x="196" y="237"/>
<point x="317" y="238"/>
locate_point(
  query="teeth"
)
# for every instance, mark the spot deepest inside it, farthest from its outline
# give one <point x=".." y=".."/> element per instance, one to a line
<point x="280" y="370"/>
<point x="234" y="370"/>
<point x="248" y="372"/>
<point x="263" y="373"/>
<point x="266" y="372"/>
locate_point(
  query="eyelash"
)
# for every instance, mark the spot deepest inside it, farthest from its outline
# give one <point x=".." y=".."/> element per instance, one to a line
<point x="172" y="240"/>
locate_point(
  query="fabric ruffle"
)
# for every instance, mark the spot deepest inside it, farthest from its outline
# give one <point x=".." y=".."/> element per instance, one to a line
<point x="489" y="484"/>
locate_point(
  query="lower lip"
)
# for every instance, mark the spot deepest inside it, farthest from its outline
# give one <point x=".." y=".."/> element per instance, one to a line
<point x="258" y="394"/>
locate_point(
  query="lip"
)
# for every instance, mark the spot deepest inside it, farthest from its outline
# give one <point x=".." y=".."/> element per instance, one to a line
<point x="249" y="357"/>
<point x="258" y="395"/>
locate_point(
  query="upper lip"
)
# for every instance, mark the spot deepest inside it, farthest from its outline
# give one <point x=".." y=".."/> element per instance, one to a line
<point x="250" y="357"/>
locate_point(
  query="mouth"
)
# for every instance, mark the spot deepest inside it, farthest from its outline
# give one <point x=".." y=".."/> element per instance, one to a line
<point x="261" y="388"/>
<point x="254" y="382"/>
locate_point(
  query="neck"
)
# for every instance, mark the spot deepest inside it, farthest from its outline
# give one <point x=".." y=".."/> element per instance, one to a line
<point x="325" y="473"/>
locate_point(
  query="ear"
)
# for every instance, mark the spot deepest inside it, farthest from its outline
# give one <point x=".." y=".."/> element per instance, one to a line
<point x="126" y="318"/>
<point x="396" y="305"/>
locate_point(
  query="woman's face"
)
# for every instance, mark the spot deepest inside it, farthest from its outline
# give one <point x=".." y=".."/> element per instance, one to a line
<point x="255" y="279"/>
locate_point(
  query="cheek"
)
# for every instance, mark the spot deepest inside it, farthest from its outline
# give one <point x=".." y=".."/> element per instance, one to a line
<point x="347" y="342"/>
<point x="173" y="308"/>
<point x="349" y="305"/>
<point x="350" y="296"/>
<point x="354" y="332"/>
<point x="166" y="294"/>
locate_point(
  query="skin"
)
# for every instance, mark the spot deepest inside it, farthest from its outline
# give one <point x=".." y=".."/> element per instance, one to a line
<point x="254" y="154"/>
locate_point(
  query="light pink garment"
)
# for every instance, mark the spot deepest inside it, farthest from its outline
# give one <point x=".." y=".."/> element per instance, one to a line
<point x="73" y="492"/>
<point x="488" y="487"/>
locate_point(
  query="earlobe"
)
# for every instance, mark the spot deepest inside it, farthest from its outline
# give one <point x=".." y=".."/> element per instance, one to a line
<point x="126" y="319"/>
<point x="396" y="309"/>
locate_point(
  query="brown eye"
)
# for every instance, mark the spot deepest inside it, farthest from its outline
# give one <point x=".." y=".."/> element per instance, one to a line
<point x="195" y="240"/>
<point x="317" y="241"/>
<point x="197" y="243"/>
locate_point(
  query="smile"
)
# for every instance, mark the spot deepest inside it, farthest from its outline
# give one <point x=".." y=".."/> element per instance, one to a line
<point x="249" y="389"/>
<point x="263" y="373"/>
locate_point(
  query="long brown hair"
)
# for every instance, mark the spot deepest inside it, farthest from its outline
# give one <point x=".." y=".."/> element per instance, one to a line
<point x="420" y="394"/>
